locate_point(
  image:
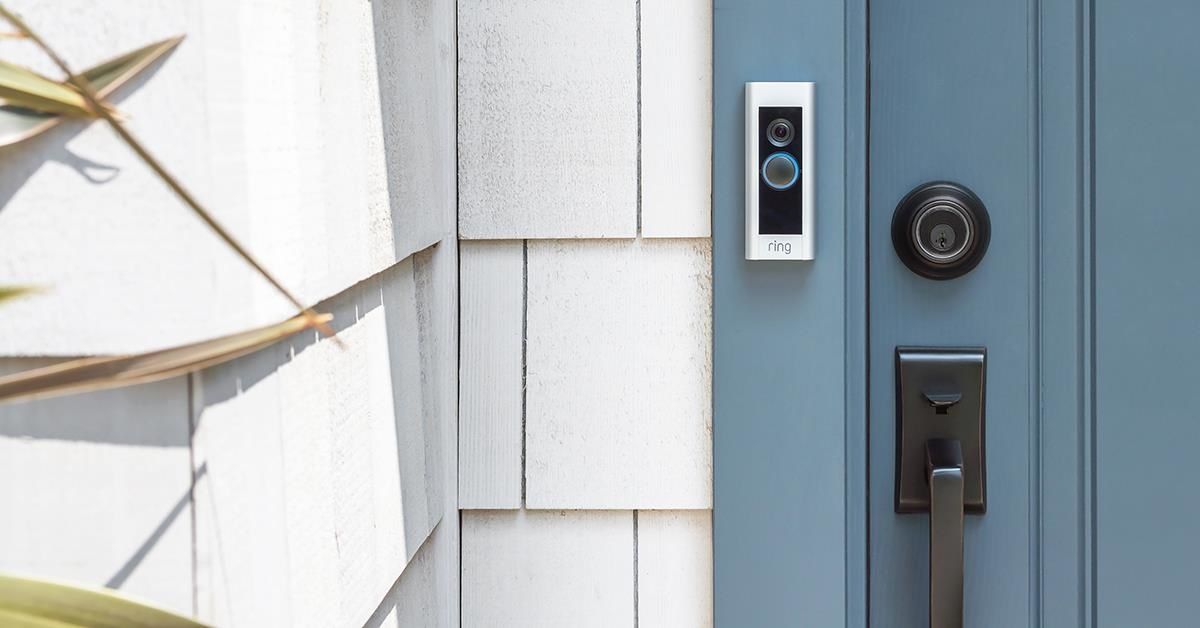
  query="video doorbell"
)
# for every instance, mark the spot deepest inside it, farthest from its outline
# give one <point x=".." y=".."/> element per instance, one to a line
<point x="779" y="171"/>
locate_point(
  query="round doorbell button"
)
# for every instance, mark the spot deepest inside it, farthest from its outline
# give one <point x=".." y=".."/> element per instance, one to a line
<point x="780" y="171"/>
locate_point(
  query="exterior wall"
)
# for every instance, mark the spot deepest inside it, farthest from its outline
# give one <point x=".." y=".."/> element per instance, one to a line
<point x="585" y="456"/>
<point x="297" y="137"/>
<point x="311" y="485"/>
<point x="305" y="484"/>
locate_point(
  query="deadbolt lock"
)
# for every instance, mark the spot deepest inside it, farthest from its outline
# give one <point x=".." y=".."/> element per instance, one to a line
<point x="941" y="230"/>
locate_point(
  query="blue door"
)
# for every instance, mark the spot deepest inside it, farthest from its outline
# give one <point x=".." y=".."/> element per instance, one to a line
<point x="1076" y="126"/>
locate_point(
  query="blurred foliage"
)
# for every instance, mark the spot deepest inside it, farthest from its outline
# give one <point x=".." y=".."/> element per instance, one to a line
<point x="31" y="104"/>
<point x="33" y="603"/>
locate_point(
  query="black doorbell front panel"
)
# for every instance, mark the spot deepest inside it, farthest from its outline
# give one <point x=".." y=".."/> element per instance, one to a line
<point x="780" y="186"/>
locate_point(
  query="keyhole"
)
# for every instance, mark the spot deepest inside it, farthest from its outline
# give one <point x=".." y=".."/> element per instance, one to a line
<point x="943" y="237"/>
<point x="940" y="230"/>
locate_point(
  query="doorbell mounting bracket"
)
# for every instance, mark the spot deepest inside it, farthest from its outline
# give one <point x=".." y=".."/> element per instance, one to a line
<point x="779" y="171"/>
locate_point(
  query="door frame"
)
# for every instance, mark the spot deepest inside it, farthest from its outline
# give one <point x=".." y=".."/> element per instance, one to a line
<point x="790" y="338"/>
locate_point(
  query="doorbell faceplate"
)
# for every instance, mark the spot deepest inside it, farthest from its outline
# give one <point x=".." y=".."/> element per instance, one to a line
<point x="779" y="171"/>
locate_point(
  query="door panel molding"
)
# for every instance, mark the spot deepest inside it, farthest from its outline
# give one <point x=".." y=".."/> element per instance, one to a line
<point x="1065" y="292"/>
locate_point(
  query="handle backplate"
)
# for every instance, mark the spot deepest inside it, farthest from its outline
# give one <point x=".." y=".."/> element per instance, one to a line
<point x="939" y="395"/>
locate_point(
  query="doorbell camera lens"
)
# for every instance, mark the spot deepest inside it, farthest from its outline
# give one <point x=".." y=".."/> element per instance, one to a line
<point x="780" y="132"/>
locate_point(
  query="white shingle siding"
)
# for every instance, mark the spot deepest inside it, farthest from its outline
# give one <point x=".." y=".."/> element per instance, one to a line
<point x="547" y="119"/>
<point x="98" y="489"/>
<point x="320" y="452"/>
<point x="615" y="378"/>
<point x="491" y="372"/>
<point x="618" y="374"/>
<point x="323" y="134"/>
<point x="273" y="114"/>
<point x="676" y="111"/>
<point x="548" y="568"/>
<point x="674" y="568"/>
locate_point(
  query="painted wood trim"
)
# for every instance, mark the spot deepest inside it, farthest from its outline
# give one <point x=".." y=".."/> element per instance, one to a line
<point x="780" y="341"/>
<point x="491" y="412"/>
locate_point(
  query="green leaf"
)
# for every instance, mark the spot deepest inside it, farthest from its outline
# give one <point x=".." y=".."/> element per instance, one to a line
<point x="7" y="293"/>
<point x="34" y="603"/>
<point x="22" y="87"/>
<point x="108" y="76"/>
<point x="19" y="122"/>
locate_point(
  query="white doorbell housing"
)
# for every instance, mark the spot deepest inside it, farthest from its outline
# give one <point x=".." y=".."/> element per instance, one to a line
<point x="779" y="171"/>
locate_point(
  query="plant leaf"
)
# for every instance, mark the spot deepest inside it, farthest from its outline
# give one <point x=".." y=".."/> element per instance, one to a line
<point x="22" y="87"/>
<point x="108" y="76"/>
<point x="30" y="602"/>
<point x="19" y="123"/>
<point x="91" y="374"/>
<point x="7" y="293"/>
